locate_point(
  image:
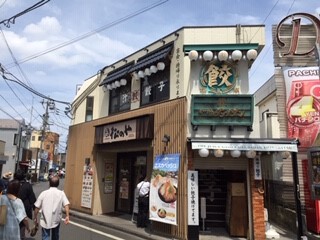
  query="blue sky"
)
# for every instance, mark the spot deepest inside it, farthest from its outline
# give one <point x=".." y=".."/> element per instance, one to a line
<point x="62" y="43"/>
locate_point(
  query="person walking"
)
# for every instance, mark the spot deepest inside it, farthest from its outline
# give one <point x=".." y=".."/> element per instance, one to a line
<point x="143" y="202"/>
<point x="26" y="194"/>
<point x="15" y="212"/>
<point x="51" y="202"/>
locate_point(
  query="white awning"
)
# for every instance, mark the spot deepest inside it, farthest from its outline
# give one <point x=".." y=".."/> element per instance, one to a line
<point x="262" y="145"/>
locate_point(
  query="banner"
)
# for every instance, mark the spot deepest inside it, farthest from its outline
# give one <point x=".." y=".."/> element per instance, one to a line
<point x="303" y="105"/>
<point x="193" y="198"/>
<point x="164" y="188"/>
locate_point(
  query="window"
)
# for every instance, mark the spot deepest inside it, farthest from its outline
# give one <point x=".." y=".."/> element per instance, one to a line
<point x="33" y="138"/>
<point x="120" y="98"/>
<point x="155" y="88"/>
<point x="89" y="109"/>
<point x="39" y="138"/>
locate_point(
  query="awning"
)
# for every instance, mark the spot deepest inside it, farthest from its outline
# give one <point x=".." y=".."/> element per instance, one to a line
<point x="149" y="59"/>
<point x="117" y="74"/>
<point x="263" y="145"/>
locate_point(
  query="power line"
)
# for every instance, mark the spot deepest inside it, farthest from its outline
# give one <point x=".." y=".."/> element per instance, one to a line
<point x="86" y="35"/>
<point x="269" y="47"/>
<point x="11" y="106"/>
<point x="4" y="72"/>
<point x="12" y="20"/>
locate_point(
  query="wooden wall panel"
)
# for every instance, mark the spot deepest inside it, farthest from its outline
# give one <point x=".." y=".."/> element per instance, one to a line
<point x="169" y="118"/>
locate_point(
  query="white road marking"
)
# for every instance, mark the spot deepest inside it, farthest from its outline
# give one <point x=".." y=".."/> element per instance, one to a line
<point x="95" y="231"/>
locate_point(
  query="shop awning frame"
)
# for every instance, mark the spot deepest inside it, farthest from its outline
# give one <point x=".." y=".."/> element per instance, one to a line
<point x="152" y="57"/>
<point x="117" y="74"/>
<point x="245" y="144"/>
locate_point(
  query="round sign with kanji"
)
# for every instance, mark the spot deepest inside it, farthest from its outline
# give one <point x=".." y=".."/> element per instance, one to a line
<point x="217" y="78"/>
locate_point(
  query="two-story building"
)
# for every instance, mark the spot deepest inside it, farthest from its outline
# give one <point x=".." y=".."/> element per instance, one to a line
<point x="178" y="110"/>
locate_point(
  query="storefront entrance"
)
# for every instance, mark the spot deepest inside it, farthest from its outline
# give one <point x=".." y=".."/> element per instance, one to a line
<point x="215" y="186"/>
<point x="130" y="166"/>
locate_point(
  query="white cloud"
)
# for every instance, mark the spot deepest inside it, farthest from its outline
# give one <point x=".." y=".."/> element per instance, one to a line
<point x="48" y="26"/>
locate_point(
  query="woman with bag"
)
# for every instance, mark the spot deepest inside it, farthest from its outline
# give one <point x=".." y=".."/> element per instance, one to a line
<point x="27" y="196"/>
<point x="15" y="213"/>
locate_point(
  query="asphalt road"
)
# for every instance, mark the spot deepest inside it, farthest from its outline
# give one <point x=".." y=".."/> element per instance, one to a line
<point x="79" y="229"/>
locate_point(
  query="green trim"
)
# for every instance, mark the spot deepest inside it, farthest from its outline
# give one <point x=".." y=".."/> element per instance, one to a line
<point x="219" y="47"/>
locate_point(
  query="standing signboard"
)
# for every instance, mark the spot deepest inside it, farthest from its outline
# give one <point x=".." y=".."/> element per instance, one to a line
<point x="164" y="189"/>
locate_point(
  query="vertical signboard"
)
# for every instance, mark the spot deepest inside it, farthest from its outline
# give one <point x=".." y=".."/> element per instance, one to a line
<point x="257" y="168"/>
<point x="193" y="198"/>
<point x="108" y="178"/>
<point x="303" y="105"/>
<point x="164" y="188"/>
<point x="87" y="185"/>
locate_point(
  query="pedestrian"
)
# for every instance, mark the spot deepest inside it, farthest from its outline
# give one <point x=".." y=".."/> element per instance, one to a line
<point x="143" y="202"/>
<point x="51" y="203"/>
<point x="15" y="212"/>
<point x="6" y="177"/>
<point x="26" y="194"/>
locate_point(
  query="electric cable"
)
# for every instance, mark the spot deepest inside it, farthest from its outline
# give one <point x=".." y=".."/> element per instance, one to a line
<point x="86" y="35"/>
<point x="7" y="22"/>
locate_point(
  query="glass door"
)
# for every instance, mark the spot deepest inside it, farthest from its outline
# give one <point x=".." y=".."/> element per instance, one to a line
<point x="130" y="167"/>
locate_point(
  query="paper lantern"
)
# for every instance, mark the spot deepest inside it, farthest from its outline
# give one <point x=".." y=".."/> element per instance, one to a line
<point x="204" y="152"/>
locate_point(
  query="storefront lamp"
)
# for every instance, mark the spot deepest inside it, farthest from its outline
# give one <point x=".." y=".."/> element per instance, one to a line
<point x="153" y="69"/>
<point x="251" y="154"/>
<point x="236" y="55"/>
<point x="160" y="66"/>
<point x="117" y="84"/>
<point x="123" y="82"/>
<point x="109" y="87"/>
<point x="218" y="153"/>
<point x="285" y="155"/>
<point x="203" y="152"/>
<point x="147" y="72"/>
<point x="235" y="153"/>
<point x="252" y="54"/>
<point x="207" y="56"/>
<point x="193" y="55"/>
<point x="140" y="74"/>
<point x="113" y="85"/>
<point x="223" y="56"/>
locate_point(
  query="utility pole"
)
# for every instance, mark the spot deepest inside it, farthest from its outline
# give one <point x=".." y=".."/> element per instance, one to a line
<point x="45" y="120"/>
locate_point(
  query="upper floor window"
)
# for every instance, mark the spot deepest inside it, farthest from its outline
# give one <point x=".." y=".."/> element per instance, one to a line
<point x="155" y="88"/>
<point x="33" y="138"/>
<point x="120" y="98"/>
<point x="89" y="109"/>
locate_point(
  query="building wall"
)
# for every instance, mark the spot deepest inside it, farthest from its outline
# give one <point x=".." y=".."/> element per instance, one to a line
<point x="8" y="129"/>
<point x="169" y="118"/>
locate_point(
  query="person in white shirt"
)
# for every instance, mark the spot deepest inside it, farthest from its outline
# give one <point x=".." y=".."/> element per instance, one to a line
<point x="51" y="202"/>
<point x="143" y="202"/>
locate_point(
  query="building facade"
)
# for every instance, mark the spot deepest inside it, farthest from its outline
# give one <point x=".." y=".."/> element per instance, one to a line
<point x="183" y="99"/>
<point x="12" y="132"/>
<point x="282" y="113"/>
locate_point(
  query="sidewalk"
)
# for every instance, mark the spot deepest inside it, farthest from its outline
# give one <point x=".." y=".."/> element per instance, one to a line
<point x="124" y="223"/>
<point x="121" y="222"/>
